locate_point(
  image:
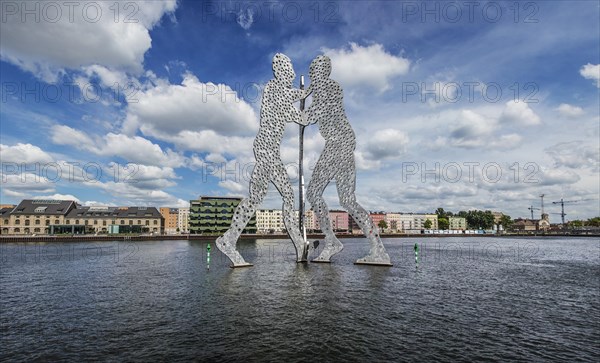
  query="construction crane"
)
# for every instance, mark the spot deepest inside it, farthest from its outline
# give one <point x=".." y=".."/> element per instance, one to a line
<point x="532" y="209"/>
<point x="562" y="207"/>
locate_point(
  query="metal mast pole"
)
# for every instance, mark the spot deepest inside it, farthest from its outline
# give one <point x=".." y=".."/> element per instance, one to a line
<point x="301" y="179"/>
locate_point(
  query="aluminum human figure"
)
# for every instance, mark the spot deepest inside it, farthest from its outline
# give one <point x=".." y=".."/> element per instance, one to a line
<point x="277" y="109"/>
<point x="336" y="162"/>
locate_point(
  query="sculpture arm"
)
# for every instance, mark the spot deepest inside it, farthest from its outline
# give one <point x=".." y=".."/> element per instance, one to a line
<point x="311" y="115"/>
<point x="300" y="94"/>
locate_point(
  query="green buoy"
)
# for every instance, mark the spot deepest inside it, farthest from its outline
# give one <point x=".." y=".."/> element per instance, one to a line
<point x="208" y="256"/>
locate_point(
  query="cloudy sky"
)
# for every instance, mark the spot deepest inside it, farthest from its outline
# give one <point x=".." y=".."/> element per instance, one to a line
<point x="460" y="105"/>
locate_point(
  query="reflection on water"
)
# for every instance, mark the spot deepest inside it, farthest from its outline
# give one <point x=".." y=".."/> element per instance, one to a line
<point x="469" y="299"/>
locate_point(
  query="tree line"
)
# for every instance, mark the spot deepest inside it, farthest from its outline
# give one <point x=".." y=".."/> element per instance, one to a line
<point x="476" y="219"/>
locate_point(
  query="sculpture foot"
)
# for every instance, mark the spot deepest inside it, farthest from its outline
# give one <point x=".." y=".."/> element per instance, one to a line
<point x="331" y="249"/>
<point x="229" y="250"/>
<point x="381" y="259"/>
<point x="302" y="253"/>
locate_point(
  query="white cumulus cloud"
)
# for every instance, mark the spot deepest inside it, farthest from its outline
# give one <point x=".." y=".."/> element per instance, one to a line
<point x="519" y="113"/>
<point x="24" y="153"/>
<point x="366" y="66"/>
<point x="569" y="110"/>
<point x="74" y="35"/>
<point x="591" y="71"/>
<point x="134" y="149"/>
<point x="387" y="143"/>
<point x="194" y="116"/>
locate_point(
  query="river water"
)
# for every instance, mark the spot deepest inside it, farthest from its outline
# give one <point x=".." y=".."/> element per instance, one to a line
<point x="469" y="299"/>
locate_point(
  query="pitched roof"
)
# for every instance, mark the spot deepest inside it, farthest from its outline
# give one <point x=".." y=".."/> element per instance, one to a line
<point x="44" y="207"/>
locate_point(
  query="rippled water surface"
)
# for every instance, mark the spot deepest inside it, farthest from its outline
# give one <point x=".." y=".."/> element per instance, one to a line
<point x="469" y="299"/>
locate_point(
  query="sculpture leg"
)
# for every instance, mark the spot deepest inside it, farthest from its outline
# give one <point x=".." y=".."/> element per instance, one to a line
<point x="243" y="213"/>
<point x="282" y="182"/>
<point x="346" y="185"/>
<point x="320" y="179"/>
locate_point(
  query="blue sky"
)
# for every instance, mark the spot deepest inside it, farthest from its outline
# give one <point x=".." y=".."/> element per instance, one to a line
<point x="461" y="105"/>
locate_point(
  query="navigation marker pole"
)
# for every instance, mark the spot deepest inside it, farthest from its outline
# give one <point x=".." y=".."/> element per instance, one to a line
<point x="301" y="226"/>
<point x="208" y="256"/>
<point x="416" y="255"/>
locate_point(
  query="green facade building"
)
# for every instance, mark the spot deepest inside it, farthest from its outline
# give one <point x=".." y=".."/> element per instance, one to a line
<point x="213" y="215"/>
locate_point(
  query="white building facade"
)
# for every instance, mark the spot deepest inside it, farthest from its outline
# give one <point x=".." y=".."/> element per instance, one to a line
<point x="183" y="220"/>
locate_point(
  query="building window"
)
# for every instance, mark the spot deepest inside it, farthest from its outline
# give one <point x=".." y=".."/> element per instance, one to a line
<point x="6" y="221"/>
<point x="139" y="222"/>
<point x="122" y="221"/>
<point x="86" y="222"/>
<point x="95" y="221"/>
<point x="17" y="230"/>
<point x="37" y="221"/>
<point x="36" y="230"/>
<point x="155" y="222"/>
<point x="104" y="223"/>
<point x="147" y="222"/>
<point x="47" y="222"/>
<point x="27" y="222"/>
<point x="131" y="222"/>
<point x="67" y="222"/>
<point x="17" y="222"/>
<point x="77" y="221"/>
<point x="56" y="221"/>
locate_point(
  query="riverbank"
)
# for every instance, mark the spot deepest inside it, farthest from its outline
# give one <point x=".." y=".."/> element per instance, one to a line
<point x="196" y="237"/>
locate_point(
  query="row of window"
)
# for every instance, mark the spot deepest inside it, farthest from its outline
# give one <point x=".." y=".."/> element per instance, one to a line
<point x="27" y="222"/>
<point x="38" y="230"/>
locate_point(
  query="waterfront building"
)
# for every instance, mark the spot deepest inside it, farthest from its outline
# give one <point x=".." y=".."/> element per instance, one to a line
<point x="5" y="218"/>
<point x="213" y="215"/>
<point x="497" y="217"/>
<point x="409" y="222"/>
<point x="183" y="220"/>
<point x="526" y="224"/>
<point x="66" y="217"/>
<point x="310" y="221"/>
<point x="457" y="223"/>
<point x="269" y="221"/>
<point x="36" y="216"/>
<point x="394" y="222"/>
<point x="377" y="217"/>
<point x="420" y="219"/>
<point x="112" y="220"/>
<point x="339" y="220"/>
<point x="171" y="216"/>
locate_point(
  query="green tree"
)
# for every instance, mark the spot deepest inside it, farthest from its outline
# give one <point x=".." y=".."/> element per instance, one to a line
<point x="478" y="218"/>
<point x="576" y="223"/>
<point x="427" y="224"/>
<point x="382" y="225"/>
<point x="595" y="222"/>
<point x="440" y="213"/>
<point x="443" y="223"/>
<point x="506" y="221"/>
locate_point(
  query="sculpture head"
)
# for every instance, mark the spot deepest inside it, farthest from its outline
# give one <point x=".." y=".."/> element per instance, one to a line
<point x="283" y="69"/>
<point x="320" y="68"/>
